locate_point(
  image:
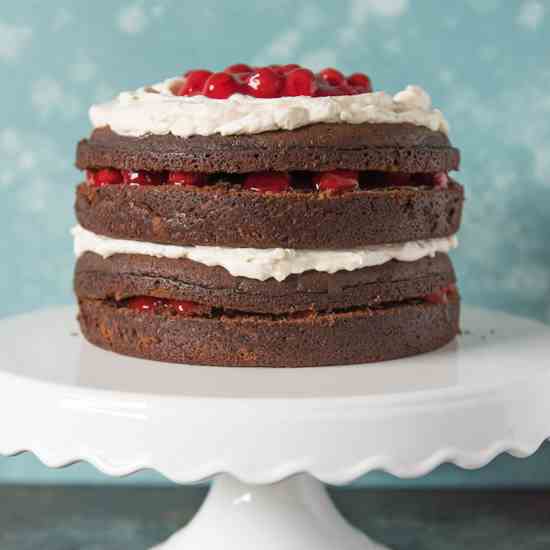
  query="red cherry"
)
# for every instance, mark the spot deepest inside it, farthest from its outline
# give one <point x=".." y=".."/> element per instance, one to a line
<point x="194" y="82"/>
<point x="184" y="307"/>
<point x="242" y="79"/>
<point x="350" y="174"/>
<point x="267" y="182"/>
<point x="440" y="296"/>
<point x="221" y="86"/>
<point x="337" y="181"/>
<point x="441" y="180"/>
<point x="265" y="83"/>
<point x="360" y="81"/>
<point x="346" y="89"/>
<point x="238" y="68"/>
<point x="332" y="76"/>
<point x="326" y="90"/>
<point x="284" y="69"/>
<point x="143" y="177"/>
<point x="104" y="176"/>
<point x="187" y="178"/>
<point x="300" y="82"/>
<point x="144" y="303"/>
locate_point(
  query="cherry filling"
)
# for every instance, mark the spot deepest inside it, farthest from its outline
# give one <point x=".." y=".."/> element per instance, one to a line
<point x="271" y="81"/>
<point x="143" y="177"/>
<point x="337" y="181"/>
<point x="333" y="182"/>
<point x="105" y="176"/>
<point x="157" y="305"/>
<point x="150" y="304"/>
<point x="267" y="182"/>
<point x="194" y="179"/>
<point x="442" y="295"/>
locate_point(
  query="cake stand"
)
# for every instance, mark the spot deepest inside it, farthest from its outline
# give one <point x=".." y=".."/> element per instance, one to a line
<point x="269" y="438"/>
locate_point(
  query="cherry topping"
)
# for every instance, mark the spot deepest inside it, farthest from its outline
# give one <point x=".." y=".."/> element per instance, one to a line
<point x="284" y="69"/>
<point x="187" y="178"/>
<point x="326" y="90"/>
<point x="272" y="81"/>
<point x="194" y="82"/>
<point x="221" y="86"/>
<point x="144" y="303"/>
<point x="337" y="181"/>
<point x="265" y="82"/>
<point x="267" y="182"/>
<point x="440" y="296"/>
<point x="104" y="176"/>
<point x="238" y="68"/>
<point x="332" y="76"/>
<point x="143" y="177"/>
<point x="300" y="82"/>
<point x="360" y="81"/>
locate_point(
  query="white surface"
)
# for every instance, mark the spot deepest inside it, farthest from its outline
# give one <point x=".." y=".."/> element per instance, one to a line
<point x="65" y="400"/>
<point x="264" y="263"/>
<point x="294" y="514"/>
<point x="156" y="110"/>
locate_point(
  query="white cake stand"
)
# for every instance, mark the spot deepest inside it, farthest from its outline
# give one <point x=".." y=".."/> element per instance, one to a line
<point x="269" y="438"/>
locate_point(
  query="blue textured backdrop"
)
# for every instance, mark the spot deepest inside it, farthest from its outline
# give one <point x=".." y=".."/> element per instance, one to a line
<point x="485" y="62"/>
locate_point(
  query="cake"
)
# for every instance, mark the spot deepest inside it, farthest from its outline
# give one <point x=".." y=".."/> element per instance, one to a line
<point x="267" y="217"/>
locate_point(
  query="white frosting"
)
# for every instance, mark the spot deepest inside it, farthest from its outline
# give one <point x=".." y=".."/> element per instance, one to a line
<point x="263" y="264"/>
<point x="156" y="110"/>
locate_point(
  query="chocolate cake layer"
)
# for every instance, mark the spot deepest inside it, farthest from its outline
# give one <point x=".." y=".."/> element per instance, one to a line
<point x="386" y="147"/>
<point x="221" y="216"/>
<point x="123" y="276"/>
<point x="353" y="337"/>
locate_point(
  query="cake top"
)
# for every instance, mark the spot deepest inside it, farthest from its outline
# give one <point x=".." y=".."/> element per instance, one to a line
<point x="246" y="100"/>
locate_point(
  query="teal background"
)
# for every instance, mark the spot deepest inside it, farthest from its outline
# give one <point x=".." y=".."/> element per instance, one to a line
<point x="485" y="62"/>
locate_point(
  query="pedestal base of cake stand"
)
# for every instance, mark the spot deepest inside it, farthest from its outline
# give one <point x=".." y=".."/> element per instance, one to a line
<point x="280" y="432"/>
<point x="293" y="514"/>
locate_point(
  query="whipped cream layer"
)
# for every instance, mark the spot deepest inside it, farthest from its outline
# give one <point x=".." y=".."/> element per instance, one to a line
<point x="156" y="110"/>
<point x="262" y="264"/>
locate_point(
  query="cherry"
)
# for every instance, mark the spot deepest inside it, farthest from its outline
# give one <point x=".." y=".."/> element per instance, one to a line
<point x="289" y="80"/>
<point x="440" y="296"/>
<point x="187" y="178"/>
<point x="360" y="81"/>
<point x="184" y="307"/>
<point x="337" y="181"/>
<point x="143" y="177"/>
<point x="265" y="83"/>
<point x="300" y="82"/>
<point x="104" y="176"/>
<point x="267" y="182"/>
<point x="332" y="76"/>
<point x="441" y="180"/>
<point x="284" y="69"/>
<point x="221" y="86"/>
<point x="194" y="82"/>
<point x="327" y="90"/>
<point x="144" y="303"/>
<point x="238" y="68"/>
